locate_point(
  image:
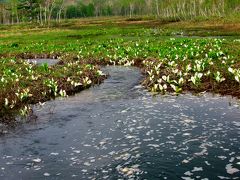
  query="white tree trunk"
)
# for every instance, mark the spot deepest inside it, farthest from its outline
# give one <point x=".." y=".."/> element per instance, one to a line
<point x="157" y="7"/>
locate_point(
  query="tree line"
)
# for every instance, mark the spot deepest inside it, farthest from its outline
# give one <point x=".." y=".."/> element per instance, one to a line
<point x="44" y="11"/>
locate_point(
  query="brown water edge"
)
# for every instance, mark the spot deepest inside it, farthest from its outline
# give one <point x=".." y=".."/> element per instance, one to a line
<point x="226" y="88"/>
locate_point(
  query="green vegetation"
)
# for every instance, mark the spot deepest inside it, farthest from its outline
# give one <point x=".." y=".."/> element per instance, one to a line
<point x="171" y="61"/>
<point x="23" y="83"/>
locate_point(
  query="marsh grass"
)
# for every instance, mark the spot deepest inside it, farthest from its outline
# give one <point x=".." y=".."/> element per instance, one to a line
<point x="24" y="83"/>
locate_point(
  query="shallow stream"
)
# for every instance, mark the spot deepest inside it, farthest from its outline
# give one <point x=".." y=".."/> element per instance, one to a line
<point x="120" y="131"/>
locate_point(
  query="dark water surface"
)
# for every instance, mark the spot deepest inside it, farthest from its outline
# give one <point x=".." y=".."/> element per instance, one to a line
<point x="119" y="131"/>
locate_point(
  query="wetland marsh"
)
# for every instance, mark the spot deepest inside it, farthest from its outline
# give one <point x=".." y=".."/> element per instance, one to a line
<point x="162" y="104"/>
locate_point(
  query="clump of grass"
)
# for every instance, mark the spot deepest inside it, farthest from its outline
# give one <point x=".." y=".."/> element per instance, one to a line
<point x="193" y="65"/>
<point x="23" y="83"/>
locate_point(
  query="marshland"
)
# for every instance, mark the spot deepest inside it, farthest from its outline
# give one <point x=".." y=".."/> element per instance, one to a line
<point x="120" y="89"/>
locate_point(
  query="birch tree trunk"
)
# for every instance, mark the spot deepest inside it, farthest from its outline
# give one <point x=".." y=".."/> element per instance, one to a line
<point x="157" y="7"/>
<point x="40" y="14"/>
<point x="45" y="14"/>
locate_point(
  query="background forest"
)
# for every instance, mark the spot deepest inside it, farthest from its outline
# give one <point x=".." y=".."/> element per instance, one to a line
<point x="43" y="11"/>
